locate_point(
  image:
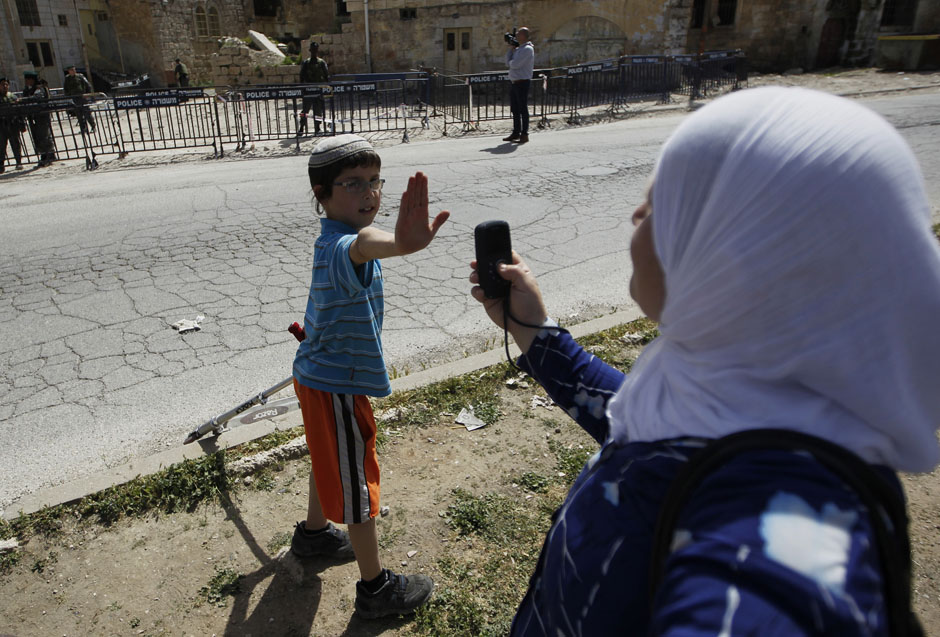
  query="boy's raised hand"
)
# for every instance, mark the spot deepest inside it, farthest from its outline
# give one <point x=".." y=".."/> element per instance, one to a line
<point x="412" y="230"/>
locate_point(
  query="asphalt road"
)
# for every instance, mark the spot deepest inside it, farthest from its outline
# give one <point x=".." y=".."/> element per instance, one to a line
<point x="95" y="267"/>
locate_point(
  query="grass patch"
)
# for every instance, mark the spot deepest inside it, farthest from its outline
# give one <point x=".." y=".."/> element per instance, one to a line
<point x="271" y="441"/>
<point x="264" y="480"/>
<point x="424" y="405"/>
<point x="225" y="583"/>
<point x="620" y="345"/>
<point x="279" y="541"/>
<point x="479" y="590"/>
<point x="533" y="482"/>
<point x="570" y="460"/>
<point x="478" y="599"/>
<point x="180" y="487"/>
<point x="936" y="230"/>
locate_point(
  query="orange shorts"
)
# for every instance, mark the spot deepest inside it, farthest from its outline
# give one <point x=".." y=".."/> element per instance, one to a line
<point x="340" y="432"/>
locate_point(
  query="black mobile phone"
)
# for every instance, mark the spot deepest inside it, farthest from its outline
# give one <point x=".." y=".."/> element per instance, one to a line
<point x="492" y="247"/>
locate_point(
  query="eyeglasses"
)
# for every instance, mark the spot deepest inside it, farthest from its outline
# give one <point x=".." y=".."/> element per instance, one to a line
<point x="358" y="187"/>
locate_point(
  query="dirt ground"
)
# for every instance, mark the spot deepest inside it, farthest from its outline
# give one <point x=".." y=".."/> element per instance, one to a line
<point x="144" y="576"/>
<point x="147" y="576"/>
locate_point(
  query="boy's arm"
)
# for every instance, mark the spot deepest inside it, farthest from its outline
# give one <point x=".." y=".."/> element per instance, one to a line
<point x="413" y="231"/>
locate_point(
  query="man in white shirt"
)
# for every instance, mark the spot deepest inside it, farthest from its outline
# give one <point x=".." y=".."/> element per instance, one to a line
<point x="521" y="61"/>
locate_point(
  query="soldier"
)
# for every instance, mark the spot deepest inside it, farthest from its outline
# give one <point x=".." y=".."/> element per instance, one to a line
<point x="76" y="86"/>
<point x="40" y="124"/>
<point x="182" y="74"/>
<point x="313" y="70"/>
<point x="10" y="127"/>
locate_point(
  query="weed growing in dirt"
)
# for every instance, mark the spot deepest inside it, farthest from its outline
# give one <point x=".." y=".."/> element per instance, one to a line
<point x="477" y="595"/>
<point x="619" y="346"/>
<point x="181" y="487"/>
<point x="40" y="564"/>
<point x="272" y="440"/>
<point x="422" y="406"/>
<point x="225" y="583"/>
<point x="936" y="230"/>
<point x="570" y="460"/>
<point x="533" y="482"/>
<point x="264" y="480"/>
<point x="279" y="541"/>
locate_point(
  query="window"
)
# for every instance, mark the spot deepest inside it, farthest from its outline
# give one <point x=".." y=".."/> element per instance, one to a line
<point x="726" y="11"/>
<point x="464" y="40"/>
<point x="63" y="20"/>
<point x="202" y="28"/>
<point x="722" y="16"/>
<point x="451" y="41"/>
<point x="407" y="14"/>
<point x="102" y="16"/>
<point x="29" y="13"/>
<point x="267" y="8"/>
<point x="40" y="53"/>
<point x="215" y="26"/>
<point x="898" y="13"/>
<point x="698" y="14"/>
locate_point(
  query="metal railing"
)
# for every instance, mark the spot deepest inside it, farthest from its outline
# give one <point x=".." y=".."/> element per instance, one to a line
<point x="614" y="82"/>
<point x="236" y="117"/>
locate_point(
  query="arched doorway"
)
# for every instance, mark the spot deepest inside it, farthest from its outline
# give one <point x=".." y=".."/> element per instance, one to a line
<point x="830" y="43"/>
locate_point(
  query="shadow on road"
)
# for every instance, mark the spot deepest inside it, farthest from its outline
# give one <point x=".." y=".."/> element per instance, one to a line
<point x="502" y="149"/>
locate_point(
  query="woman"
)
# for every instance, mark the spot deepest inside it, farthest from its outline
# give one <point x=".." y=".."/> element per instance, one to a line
<point x="785" y="249"/>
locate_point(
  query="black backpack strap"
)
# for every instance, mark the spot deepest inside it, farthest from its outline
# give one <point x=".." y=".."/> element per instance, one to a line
<point x="884" y="503"/>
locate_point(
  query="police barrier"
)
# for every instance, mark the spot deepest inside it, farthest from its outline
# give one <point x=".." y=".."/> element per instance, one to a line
<point x="614" y="82"/>
<point x="233" y="118"/>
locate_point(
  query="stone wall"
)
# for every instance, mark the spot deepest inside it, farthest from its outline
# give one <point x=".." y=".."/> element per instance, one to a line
<point x="780" y="34"/>
<point x="563" y="32"/>
<point x="235" y="64"/>
<point x="136" y="23"/>
<point x="927" y="19"/>
<point x="405" y="34"/>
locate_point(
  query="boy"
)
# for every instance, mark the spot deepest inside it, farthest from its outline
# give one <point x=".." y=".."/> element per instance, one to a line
<point x="339" y="364"/>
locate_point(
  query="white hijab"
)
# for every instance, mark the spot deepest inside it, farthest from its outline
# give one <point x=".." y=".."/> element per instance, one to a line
<point x="802" y="282"/>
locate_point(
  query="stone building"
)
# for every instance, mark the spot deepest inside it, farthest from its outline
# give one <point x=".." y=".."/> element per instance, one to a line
<point x="361" y="36"/>
<point x="776" y="34"/>
<point x="42" y="36"/>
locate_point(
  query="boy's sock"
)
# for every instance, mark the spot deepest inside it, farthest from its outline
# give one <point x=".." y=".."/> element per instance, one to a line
<point x="372" y="586"/>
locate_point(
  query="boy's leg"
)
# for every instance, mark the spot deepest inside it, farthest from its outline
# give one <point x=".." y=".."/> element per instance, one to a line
<point x="315" y="517"/>
<point x="316" y="536"/>
<point x="381" y="592"/>
<point x="365" y="542"/>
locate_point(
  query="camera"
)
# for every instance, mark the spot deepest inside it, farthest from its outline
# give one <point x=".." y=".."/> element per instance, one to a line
<point x="511" y="38"/>
<point x="493" y="247"/>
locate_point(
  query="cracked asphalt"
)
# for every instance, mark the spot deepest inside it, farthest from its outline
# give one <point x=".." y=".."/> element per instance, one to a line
<point x="95" y="267"/>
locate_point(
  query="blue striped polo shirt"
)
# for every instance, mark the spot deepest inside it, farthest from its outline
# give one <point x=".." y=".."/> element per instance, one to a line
<point x="343" y="349"/>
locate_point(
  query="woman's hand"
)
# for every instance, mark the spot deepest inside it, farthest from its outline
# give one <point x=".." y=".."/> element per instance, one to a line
<point x="525" y="300"/>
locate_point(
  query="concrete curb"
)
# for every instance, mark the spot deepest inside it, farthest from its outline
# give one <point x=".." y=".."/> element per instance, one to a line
<point x="88" y="485"/>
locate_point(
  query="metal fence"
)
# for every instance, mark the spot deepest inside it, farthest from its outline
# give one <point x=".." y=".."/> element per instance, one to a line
<point x="614" y="82"/>
<point x="233" y="118"/>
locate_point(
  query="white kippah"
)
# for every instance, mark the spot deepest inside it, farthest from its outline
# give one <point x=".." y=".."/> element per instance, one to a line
<point x="333" y="149"/>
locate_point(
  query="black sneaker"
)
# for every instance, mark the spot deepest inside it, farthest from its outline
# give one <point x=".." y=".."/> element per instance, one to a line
<point x="331" y="542"/>
<point x="400" y="595"/>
